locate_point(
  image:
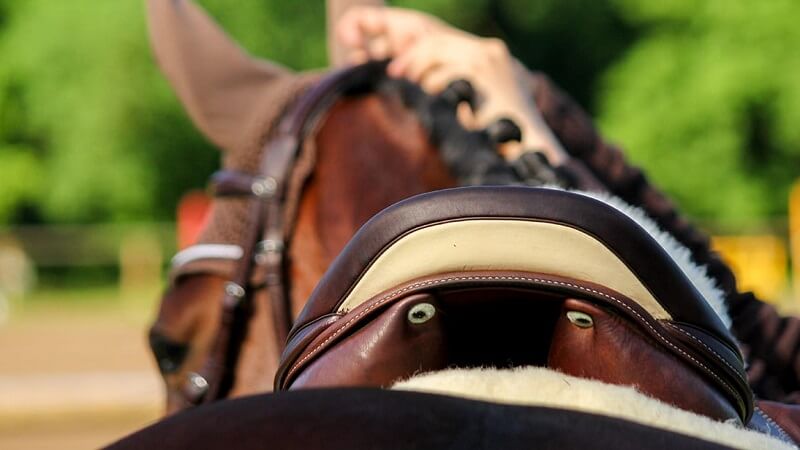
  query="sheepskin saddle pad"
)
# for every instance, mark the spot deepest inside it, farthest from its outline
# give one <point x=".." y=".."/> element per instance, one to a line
<point x="543" y="387"/>
<point x="509" y="277"/>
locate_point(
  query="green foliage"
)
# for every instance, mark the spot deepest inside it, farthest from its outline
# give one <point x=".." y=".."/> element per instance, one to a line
<point x="19" y="170"/>
<point x="289" y="32"/>
<point x="573" y="41"/>
<point x="89" y="128"/>
<point x="708" y="100"/>
<point x="702" y="93"/>
<point x="77" y="79"/>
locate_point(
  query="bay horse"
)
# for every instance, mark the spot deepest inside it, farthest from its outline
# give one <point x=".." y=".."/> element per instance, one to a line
<point x="363" y="152"/>
<point x="209" y="351"/>
<point x="223" y="89"/>
<point x="375" y="141"/>
<point x="350" y="146"/>
<point x="308" y="160"/>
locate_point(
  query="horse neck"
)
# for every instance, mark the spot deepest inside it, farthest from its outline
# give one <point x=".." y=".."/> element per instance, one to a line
<point x="371" y="152"/>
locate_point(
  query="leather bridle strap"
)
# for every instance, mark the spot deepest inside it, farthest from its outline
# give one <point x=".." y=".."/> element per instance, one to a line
<point x="280" y="153"/>
<point x="264" y="244"/>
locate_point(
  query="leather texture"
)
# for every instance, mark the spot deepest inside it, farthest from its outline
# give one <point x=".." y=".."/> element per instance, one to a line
<point x="375" y="354"/>
<point x="695" y="338"/>
<point x="638" y="250"/>
<point x="500" y="244"/>
<point x="502" y="319"/>
<point x="614" y="351"/>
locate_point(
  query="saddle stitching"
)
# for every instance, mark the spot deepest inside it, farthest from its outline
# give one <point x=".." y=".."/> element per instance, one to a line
<point x="394" y="294"/>
<point x="724" y="361"/>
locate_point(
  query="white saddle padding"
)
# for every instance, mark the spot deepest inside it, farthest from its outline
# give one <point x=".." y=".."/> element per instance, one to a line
<point x="538" y="386"/>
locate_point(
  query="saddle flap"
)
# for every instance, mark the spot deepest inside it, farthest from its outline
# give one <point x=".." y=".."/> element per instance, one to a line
<point x="592" y="342"/>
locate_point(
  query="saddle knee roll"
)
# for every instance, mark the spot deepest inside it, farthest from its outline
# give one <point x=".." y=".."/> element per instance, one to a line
<point x="591" y="342"/>
<point x="405" y="339"/>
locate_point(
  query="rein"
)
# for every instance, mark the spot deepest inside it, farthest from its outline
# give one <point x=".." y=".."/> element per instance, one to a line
<point x="264" y="246"/>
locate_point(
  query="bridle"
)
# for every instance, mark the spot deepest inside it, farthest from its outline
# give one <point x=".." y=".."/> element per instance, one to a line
<point x="273" y="195"/>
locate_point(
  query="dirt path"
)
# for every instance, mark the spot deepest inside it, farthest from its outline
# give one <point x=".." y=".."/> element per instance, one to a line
<point x="75" y="378"/>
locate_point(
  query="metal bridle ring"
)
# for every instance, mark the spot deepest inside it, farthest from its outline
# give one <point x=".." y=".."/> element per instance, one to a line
<point x="264" y="187"/>
<point x="196" y="385"/>
<point x="234" y="290"/>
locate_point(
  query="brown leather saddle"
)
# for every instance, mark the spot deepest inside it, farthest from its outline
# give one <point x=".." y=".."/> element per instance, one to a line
<point x="516" y="276"/>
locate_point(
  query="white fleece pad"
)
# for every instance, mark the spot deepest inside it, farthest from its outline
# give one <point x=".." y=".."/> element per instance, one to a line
<point x="537" y="386"/>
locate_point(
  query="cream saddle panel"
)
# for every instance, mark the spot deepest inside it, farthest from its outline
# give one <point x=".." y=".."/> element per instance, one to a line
<point x="500" y="244"/>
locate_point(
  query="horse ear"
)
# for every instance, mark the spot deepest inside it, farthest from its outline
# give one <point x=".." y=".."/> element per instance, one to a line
<point x="214" y="78"/>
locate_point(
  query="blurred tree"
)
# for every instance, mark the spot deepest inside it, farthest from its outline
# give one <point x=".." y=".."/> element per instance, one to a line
<point x="708" y="99"/>
<point x="573" y="41"/>
<point x="90" y="131"/>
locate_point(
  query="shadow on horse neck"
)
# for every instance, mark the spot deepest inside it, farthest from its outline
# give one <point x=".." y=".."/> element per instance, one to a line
<point x="371" y="151"/>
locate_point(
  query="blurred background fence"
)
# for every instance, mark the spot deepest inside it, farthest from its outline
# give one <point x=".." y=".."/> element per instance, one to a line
<point x="55" y="255"/>
<point x="75" y="301"/>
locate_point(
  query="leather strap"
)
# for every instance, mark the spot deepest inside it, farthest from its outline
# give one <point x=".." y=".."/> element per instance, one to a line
<point x="280" y="154"/>
<point x="265" y="245"/>
<point x="232" y="183"/>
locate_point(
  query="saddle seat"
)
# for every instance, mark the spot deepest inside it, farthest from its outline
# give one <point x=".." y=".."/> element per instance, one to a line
<point x="518" y="276"/>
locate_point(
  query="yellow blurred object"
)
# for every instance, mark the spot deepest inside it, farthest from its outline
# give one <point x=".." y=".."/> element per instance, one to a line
<point x="794" y="236"/>
<point x="758" y="261"/>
